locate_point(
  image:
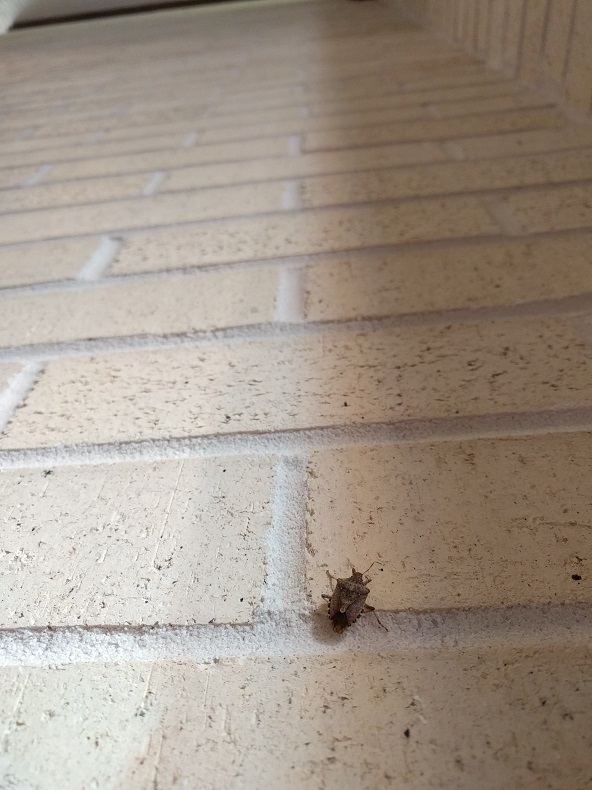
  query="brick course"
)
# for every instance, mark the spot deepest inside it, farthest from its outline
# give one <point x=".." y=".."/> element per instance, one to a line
<point x="287" y="288"/>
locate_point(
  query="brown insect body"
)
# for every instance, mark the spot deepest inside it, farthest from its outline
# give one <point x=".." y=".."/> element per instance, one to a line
<point x="348" y="600"/>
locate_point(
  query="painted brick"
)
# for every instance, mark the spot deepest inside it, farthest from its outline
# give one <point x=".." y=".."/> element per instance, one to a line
<point x="304" y="233"/>
<point x="557" y="39"/>
<point x="535" y="20"/>
<point x="297" y="126"/>
<point x="488" y="522"/>
<point x="471" y="276"/>
<point x="496" y="33"/>
<point x="303" y="165"/>
<point x="99" y="149"/>
<point x="165" y="160"/>
<point x="560" y="208"/>
<point x="494" y="104"/>
<point x="438" y="129"/>
<point x="494" y="718"/>
<point x="487" y="368"/>
<point x="142" y="543"/>
<point x="513" y="38"/>
<point x="445" y="178"/>
<point x="38" y="263"/>
<point x="578" y="76"/>
<point x="143" y="212"/>
<point x="483" y="11"/>
<point x="393" y="100"/>
<point x="13" y="176"/>
<point x="178" y="304"/>
<point x="72" y="193"/>
<point x="526" y="142"/>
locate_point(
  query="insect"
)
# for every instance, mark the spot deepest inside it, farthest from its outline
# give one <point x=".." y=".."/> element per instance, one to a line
<point x="348" y="600"/>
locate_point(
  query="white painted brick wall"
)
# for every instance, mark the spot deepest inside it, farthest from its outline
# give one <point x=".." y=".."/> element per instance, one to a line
<point x="287" y="288"/>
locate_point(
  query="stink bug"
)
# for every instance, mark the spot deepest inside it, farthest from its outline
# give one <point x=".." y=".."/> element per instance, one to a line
<point x="348" y="600"/>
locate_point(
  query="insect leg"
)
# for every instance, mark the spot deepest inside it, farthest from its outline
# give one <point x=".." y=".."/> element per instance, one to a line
<point x="368" y="608"/>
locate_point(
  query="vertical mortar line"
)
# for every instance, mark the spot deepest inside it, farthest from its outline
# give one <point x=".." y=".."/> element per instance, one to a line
<point x="291" y="195"/>
<point x="26" y="133"/>
<point x="100" y="259"/>
<point x="503" y="36"/>
<point x="17" y="390"/>
<point x="96" y="137"/>
<point x="520" y="40"/>
<point x="285" y="542"/>
<point x="539" y="67"/>
<point x="305" y="111"/>
<point x="153" y="184"/>
<point x="294" y="145"/>
<point x="191" y="139"/>
<point x="291" y="293"/>
<point x="487" y="45"/>
<point x="572" y="23"/>
<point x="501" y="214"/>
<point x="453" y="149"/>
<point x="37" y="176"/>
<point x="431" y="111"/>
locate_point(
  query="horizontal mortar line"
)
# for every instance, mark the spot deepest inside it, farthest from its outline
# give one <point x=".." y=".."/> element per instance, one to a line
<point x="459" y="136"/>
<point x="402" y="89"/>
<point x="313" y="101"/>
<point x="359" y="126"/>
<point x="281" y="157"/>
<point x="272" y="330"/>
<point x="92" y="156"/>
<point x="276" y="214"/>
<point x="506" y="90"/>
<point x="149" y="168"/>
<point x="307" y="634"/>
<point x="296" y="441"/>
<point x="108" y="281"/>
<point x="351" y="149"/>
<point x="402" y="247"/>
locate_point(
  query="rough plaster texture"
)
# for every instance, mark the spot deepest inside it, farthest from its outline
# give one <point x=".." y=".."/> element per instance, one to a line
<point x="216" y="385"/>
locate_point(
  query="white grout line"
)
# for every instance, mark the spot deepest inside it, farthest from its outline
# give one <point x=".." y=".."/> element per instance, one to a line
<point x="501" y="213"/>
<point x="290" y="297"/>
<point x="289" y="305"/>
<point x="37" y="176"/>
<point x="306" y="635"/>
<point x="453" y="150"/>
<point x="285" y="579"/>
<point x="153" y="184"/>
<point x="291" y="195"/>
<point x="298" y="441"/>
<point x="96" y="137"/>
<point x="100" y="259"/>
<point x="294" y="145"/>
<point x="18" y="388"/>
<point x="191" y="139"/>
<point x="26" y="133"/>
